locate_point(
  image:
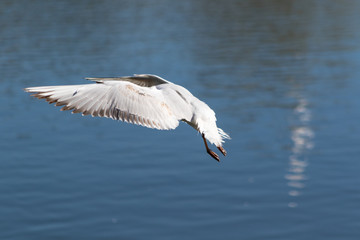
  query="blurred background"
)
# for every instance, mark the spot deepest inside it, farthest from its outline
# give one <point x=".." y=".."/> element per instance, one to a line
<point x="282" y="76"/>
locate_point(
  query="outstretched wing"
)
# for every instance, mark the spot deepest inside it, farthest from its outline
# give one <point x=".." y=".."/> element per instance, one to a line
<point x="116" y="99"/>
<point x="143" y="80"/>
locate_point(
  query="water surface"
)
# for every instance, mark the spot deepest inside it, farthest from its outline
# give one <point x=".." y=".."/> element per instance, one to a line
<point x="282" y="76"/>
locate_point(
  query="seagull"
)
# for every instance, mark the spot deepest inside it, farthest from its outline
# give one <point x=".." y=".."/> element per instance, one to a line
<point x="142" y="99"/>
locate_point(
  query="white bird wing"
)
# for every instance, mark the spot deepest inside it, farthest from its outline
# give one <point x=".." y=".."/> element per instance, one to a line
<point x="120" y="100"/>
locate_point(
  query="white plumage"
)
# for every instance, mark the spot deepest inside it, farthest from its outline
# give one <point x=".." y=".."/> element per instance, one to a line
<point x="144" y="99"/>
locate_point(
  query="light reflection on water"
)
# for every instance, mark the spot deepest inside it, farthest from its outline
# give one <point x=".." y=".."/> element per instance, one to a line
<point x="302" y="137"/>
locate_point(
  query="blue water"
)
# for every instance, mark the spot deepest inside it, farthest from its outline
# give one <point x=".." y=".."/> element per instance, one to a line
<point x="282" y="76"/>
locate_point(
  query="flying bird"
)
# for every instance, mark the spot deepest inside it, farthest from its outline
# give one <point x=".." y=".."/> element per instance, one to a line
<point x="142" y="99"/>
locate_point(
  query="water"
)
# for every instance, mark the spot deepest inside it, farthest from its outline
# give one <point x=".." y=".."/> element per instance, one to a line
<point x="282" y="76"/>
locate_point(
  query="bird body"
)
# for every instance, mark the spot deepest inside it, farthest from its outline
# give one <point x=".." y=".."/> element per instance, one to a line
<point x="146" y="100"/>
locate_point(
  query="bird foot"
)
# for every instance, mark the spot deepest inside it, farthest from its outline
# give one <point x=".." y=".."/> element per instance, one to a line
<point x="222" y="150"/>
<point x="213" y="154"/>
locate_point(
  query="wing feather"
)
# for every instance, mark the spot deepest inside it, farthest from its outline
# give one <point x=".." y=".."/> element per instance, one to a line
<point x="143" y="80"/>
<point x="119" y="100"/>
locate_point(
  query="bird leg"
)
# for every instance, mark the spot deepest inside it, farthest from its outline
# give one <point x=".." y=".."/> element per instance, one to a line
<point x="222" y="150"/>
<point x="209" y="151"/>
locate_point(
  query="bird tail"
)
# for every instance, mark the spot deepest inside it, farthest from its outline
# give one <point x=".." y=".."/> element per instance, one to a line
<point x="223" y="135"/>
